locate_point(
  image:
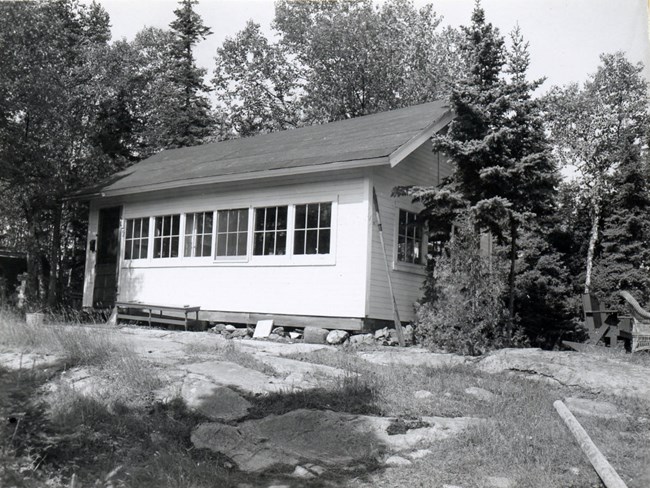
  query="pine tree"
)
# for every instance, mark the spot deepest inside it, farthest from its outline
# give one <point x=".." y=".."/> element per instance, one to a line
<point x="189" y="123"/>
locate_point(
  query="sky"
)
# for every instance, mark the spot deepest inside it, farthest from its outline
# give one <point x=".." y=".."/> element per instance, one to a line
<point x="566" y="36"/>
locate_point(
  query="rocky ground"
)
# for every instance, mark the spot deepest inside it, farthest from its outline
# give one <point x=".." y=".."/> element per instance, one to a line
<point x="315" y="441"/>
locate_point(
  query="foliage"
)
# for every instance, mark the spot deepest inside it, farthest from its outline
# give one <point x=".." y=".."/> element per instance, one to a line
<point x="188" y="123"/>
<point x="467" y="314"/>
<point x="50" y="124"/>
<point x="333" y="60"/>
<point x="257" y="85"/>
<point x="595" y="128"/>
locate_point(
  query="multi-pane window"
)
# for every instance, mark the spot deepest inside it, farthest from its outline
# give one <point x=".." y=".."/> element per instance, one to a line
<point x="409" y="238"/>
<point x="198" y="234"/>
<point x="166" y="236"/>
<point x="313" y="228"/>
<point x="137" y="238"/>
<point x="232" y="232"/>
<point x="270" y="231"/>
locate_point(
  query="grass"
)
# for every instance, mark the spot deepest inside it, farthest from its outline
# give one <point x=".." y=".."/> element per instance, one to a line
<point x="231" y="352"/>
<point x="120" y="433"/>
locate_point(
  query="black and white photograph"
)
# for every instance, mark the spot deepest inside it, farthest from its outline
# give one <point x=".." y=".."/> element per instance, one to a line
<point x="324" y="243"/>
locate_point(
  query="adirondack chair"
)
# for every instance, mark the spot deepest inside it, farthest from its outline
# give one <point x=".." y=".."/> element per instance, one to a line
<point x="606" y="325"/>
<point x="640" y="323"/>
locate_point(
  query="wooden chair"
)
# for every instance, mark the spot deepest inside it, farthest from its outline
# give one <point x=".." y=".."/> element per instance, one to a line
<point x="640" y="323"/>
<point x="604" y="324"/>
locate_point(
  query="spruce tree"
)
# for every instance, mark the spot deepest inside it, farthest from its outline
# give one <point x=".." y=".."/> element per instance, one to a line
<point x="189" y="123"/>
<point x="503" y="163"/>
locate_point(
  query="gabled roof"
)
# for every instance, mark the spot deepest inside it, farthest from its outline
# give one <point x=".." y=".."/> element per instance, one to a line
<point x="383" y="138"/>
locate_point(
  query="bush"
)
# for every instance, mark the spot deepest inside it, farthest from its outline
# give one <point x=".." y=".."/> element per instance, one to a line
<point x="467" y="314"/>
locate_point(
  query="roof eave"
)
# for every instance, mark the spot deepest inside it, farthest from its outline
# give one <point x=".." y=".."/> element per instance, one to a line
<point x="271" y="173"/>
<point x="416" y="141"/>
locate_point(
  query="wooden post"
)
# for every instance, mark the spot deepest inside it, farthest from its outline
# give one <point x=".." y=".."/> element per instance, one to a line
<point x="398" y="323"/>
<point x="610" y="478"/>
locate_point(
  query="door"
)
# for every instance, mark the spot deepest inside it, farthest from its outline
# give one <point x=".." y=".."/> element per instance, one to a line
<point x="107" y="259"/>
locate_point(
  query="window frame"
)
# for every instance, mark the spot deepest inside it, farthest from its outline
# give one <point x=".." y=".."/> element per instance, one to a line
<point x="181" y="222"/>
<point x="398" y="265"/>
<point x="193" y="235"/>
<point x="215" y="230"/>
<point x="145" y="219"/>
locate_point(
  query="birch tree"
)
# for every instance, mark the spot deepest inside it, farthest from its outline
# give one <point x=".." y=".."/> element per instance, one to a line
<point x="591" y="128"/>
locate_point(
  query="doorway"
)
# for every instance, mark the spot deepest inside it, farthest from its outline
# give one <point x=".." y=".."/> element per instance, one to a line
<point x="108" y="252"/>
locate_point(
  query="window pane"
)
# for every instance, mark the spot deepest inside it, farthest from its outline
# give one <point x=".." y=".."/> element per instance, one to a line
<point x="221" y="244"/>
<point x="207" y="229"/>
<point x="270" y="218"/>
<point x="299" y="242"/>
<point x="127" y="249"/>
<point x="324" y="241"/>
<point x="301" y="216"/>
<point x="312" y="216"/>
<point x="259" y="243"/>
<point x="232" y="220"/>
<point x="159" y="224"/>
<point x="281" y="244"/>
<point x="269" y="244"/>
<point x="222" y="220"/>
<point x="156" y="248"/>
<point x="259" y="218"/>
<point x="189" y="223"/>
<point x="401" y="251"/>
<point x="144" y="227"/>
<point x="144" y="243"/>
<point x="231" y="245"/>
<point x="188" y="246"/>
<point x="312" y="241"/>
<point x="129" y="228"/>
<point x="199" y="222"/>
<point x="243" y="220"/>
<point x="174" y="246"/>
<point x="207" y="245"/>
<point x="176" y="222"/>
<point x="325" y="214"/>
<point x="242" y="241"/>
<point x="164" y="253"/>
<point x="282" y="217"/>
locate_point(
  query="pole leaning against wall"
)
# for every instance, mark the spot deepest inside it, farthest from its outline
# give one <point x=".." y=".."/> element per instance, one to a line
<point x="398" y="323"/>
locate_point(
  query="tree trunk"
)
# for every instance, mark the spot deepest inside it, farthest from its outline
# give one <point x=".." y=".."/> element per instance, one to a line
<point x="593" y="239"/>
<point x="513" y="260"/>
<point x="55" y="251"/>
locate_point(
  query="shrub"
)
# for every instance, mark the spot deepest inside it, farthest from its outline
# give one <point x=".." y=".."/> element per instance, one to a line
<point x="467" y="313"/>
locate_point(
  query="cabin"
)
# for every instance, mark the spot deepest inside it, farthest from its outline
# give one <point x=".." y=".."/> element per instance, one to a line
<point x="278" y="226"/>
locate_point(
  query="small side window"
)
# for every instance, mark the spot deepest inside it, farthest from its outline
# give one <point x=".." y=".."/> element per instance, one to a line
<point x="409" y="238"/>
<point x="232" y="232"/>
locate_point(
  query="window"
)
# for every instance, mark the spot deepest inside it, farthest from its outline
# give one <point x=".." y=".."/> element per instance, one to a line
<point x="232" y="232"/>
<point x="270" y="231"/>
<point x="198" y="234"/>
<point x="166" y="236"/>
<point x="137" y="238"/>
<point x="312" y="229"/>
<point x="409" y="238"/>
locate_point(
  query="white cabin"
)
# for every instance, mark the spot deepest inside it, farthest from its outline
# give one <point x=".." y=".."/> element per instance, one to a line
<point x="277" y="226"/>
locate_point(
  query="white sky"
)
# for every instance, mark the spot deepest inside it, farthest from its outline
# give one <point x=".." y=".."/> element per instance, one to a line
<point x="566" y="36"/>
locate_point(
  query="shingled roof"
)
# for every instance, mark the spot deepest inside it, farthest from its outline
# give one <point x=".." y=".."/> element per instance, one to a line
<point x="383" y="138"/>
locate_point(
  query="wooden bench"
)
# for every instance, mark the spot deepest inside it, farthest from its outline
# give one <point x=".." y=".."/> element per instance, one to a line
<point x="159" y="318"/>
<point x="640" y="323"/>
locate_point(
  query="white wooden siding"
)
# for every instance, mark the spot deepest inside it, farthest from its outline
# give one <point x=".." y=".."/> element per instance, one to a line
<point x="334" y="287"/>
<point x="423" y="168"/>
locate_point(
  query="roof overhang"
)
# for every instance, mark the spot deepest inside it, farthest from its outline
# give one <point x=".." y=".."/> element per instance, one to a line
<point x="392" y="159"/>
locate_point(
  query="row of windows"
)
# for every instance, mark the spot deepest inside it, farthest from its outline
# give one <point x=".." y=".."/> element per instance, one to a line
<point x="312" y="232"/>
